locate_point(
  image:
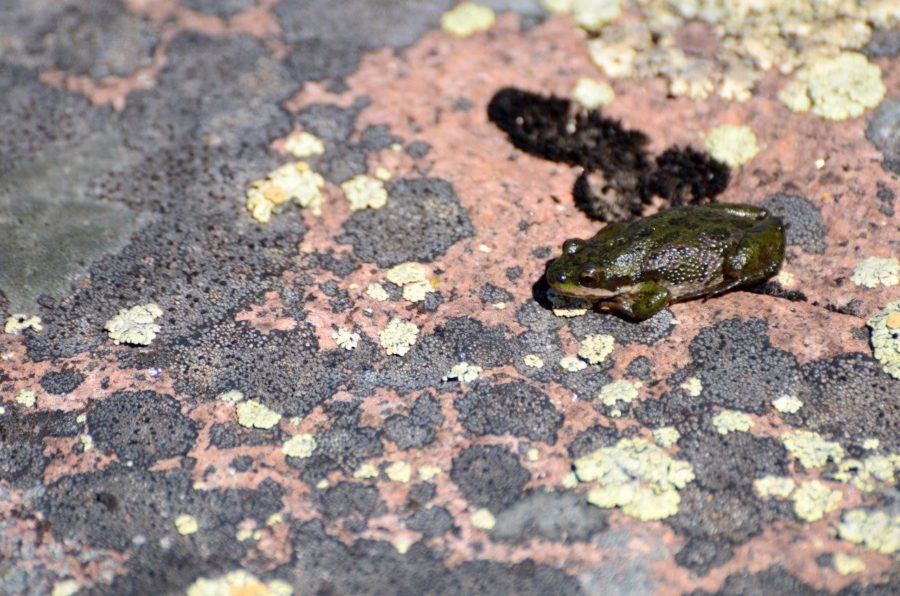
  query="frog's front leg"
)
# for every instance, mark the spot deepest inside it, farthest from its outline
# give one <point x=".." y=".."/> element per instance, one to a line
<point x="648" y="299"/>
<point x="757" y="256"/>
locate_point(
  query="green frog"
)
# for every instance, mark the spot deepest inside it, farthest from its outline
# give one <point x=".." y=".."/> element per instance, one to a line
<point x="637" y="268"/>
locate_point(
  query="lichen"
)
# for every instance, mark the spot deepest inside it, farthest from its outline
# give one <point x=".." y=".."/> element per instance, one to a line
<point x="16" y="323"/>
<point x="427" y="473"/>
<point x="135" y="325"/>
<point x="302" y="446"/>
<point x="728" y="421"/>
<point x="778" y="487"/>
<point x="302" y="144"/>
<point x="885" y="338"/>
<point x="463" y="372"/>
<point x="399" y="471"/>
<point x="533" y="361"/>
<point x="692" y="386"/>
<point x="621" y="390"/>
<point x="413" y="278"/>
<point x="637" y="476"/>
<point x="66" y="587"/>
<point x="565" y="306"/>
<point x="867" y="475"/>
<point x="366" y="472"/>
<point x="591" y="94"/>
<point x="811" y="449"/>
<point x="843" y="86"/>
<point x="732" y="145"/>
<point x="345" y="338"/>
<point x="26" y="398"/>
<point x="666" y="436"/>
<point x="572" y="364"/>
<point x="186" y="524"/>
<point x="398" y="337"/>
<point x="847" y="565"/>
<point x="377" y="292"/>
<point x="813" y="499"/>
<point x="796" y="97"/>
<point x="467" y="19"/>
<point x="295" y="182"/>
<point x="593" y="14"/>
<point x="787" y="404"/>
<point x="365" y="192"/>
<point x="483" y="519"/>
<point x="236" y="583"/>
<point x="253" y="414"/>
<point x="595" y="348"/>
<point x="877" y="271"/>
<point x="876" y="530"/>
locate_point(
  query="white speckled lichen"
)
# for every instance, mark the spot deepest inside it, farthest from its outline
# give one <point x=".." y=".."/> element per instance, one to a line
<point x="572" y="364"/>
<point x="595" y="348"/>
<point x="813" y="499"/>
<point x="732" y="145"/>
<point x="345" y="338"/>
<point x="637" y="476"/>
<point x="463" y="372"/>
<point x="467" y="19"/>
<point x="876" y="530"/>
<point x="621" y="390"/>
<point x="26" y="398"/>
<point x="16" y="323"/>
<point x="811" y="449"/>
<point x="787" y="404"/>
<point x="302" y="446"/>
<point x="398" y="337"/>
<point x="135" y="325"/>
<point x="885" y="338"/>
<point x="253" y="414"/>
<point x="729" y="421"/>
<point x="365" y="192"/>
<point x="877" y="271"/>
<point x="666" y="436"/>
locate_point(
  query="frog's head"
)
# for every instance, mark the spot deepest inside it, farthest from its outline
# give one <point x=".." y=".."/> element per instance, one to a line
<point x="584" y="272"/>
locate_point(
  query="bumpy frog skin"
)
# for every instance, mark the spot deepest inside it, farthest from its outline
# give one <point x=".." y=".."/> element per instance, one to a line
<point x="636" y="269"/>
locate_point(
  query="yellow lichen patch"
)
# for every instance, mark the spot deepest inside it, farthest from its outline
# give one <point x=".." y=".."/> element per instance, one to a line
<point x="291" y="182"/>
<point x="66" y="587"/>
<point x="572" y="364"/>
<point x="302" y="445"/>
<point x="593" y="14"/>
<point x="366" y="472"/>
<point x="666" y="436"/>
<point x="885" y="338"/>
<point x="274" y="519"/>
<point x="875" y="471"/>
<point x="729" y="421"/>
<point x="413" y="278"/>
<point x="17" y="323"/>
<point x="564" y="306"/>
<point x="302" y="144"/>
<point x="399" y="471"/>
<point x="796" y="97"/>
<point x="872" y="443"/>
<point x="637" y="476"/>
<point x="622" y="390"/>
<point x="417" y="291"/>
<point x="813" y="499"/>
<point x="365" y="192"/>
<point x="87" y="442"/>
<point x="427" y="473"/>
<point x="467" y="19"/>
<point x="778" y="487"/>
<point x="463" y="372"/>
<point x="231" y="397"/>
<point x="847" y="565"/>
<point x="843" y="86"/>
<point x="238" y="583"/>
<point x="732" y="145"/>
<point x="787" y="404"/>
<point x="26" y="398"/>
<point x="323" y="484"/>
<point x="253" y="414"/>
<point x="557" y="6"/>
<point x="135" y="325"/>
<point x="595" y="348"/>
<point x="383" y="174"/>
<point x="377" y="292"/>
<point x="533" y="361"/>
<point x="398" y="337"/>
<point x="812" y="449"/>
<point x="186" y="524"/>
<point x="532" y="454"/>
<point x="345" y="338"/>
<point x="877" y="271"/>
<point x="874" y="529"/>
<point x="692" y="386"/>
<point x="483" y="519"/>
<point x="592" y="94"/>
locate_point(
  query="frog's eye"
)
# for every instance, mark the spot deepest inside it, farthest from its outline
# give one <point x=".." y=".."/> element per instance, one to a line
<point x="589" y="277"/>
<point x="572" y="245"/>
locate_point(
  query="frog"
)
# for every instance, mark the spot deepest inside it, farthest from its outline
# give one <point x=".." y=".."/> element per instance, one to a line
<point x="638" y="268"/>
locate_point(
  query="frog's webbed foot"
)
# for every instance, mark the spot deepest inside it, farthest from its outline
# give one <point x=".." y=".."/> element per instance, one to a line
<point x="648" y="300"/>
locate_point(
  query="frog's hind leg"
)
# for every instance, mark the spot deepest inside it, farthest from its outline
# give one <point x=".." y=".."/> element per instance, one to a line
<point x="756" y="257"/>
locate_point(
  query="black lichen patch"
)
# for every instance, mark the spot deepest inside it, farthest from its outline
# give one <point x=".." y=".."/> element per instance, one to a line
<point x="884" y="132"/>
<point x="700" y="555"/>
<point x="343" y="446"/>
<point x="324" y="564"/>
<point x="421" y="220"/>
<point x="732" y="461"/>
<point x="421" y="493"/>
<point x="328" y="39"/>
<point x="431" y="521"/>
<point x="640" y="368"/>
<point x="459" y="339"/>
<point x="352" y="502"/>
<point x="22" y="460"/>
<point x="515" y="408"/>
<point x="647" y="332"/>
<point x="684" y="175"/>
<point x="227" y="90"/>
<point x="592" y="439"/>
<point x="491" y="294"/>
<point x="489" y="476"/>
<point x="849" y="398"/>
<point x="418" y="428"/>
<point x="98" y="38"/>
<point x="141" y="427"/>
<point x="61" y="382"/>
<point x="887" y="196"/>
<point x="557" y="517"/>
<point x="229" y="436"/>
<point x="674" y="408"/>
<point x="738" y="366"/>
<point x="774" y="580"/>
<point x="804" y="226"/>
